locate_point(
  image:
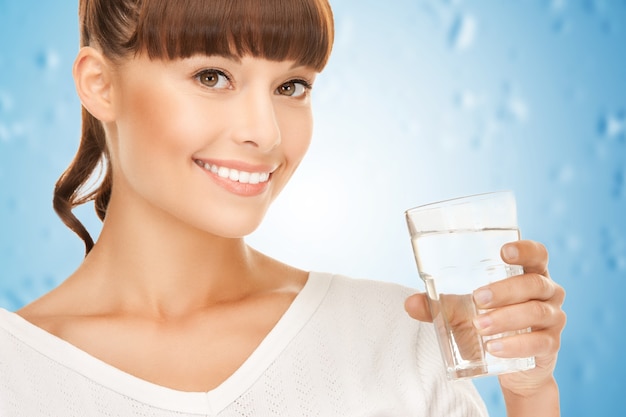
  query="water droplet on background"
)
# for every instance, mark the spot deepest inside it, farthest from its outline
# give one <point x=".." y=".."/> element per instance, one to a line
<point x="485" y="133"/>
<point x="6" y="102"/>
<point x="514" y="109"/>
<point x="618" y="183"/>
<point x="5" y="134"/>
<point x="561" y="26"/>
<point x="10" y="132"/>
<point x="10" y="205"/>
<point x="613" y="248"/>
<point x="564" y="174"/>
<point x="10" y="299"/>
<point x="573" y="243"/>
<point x="463" y="32"/>
<point x="47" y="60"/>
<point x="557" y="6"/>
<point x="467" y="100"/>
<point x="594" y="6"/>
<point x="612" y="125"/>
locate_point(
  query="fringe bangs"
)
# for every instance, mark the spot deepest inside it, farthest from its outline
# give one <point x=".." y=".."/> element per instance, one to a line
<point x="298" y="30"/>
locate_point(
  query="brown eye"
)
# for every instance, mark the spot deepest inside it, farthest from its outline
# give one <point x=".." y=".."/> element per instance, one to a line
<point x="213" y="78"/>
<point x="293" y="88"/>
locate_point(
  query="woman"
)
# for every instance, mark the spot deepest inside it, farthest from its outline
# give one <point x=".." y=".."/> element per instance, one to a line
<point x="198" y="113"/>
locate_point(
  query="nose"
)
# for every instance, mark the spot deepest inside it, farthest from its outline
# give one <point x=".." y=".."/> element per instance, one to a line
<point x="256" y="121"/>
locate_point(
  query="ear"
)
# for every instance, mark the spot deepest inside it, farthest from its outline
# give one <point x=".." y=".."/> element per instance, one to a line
<point x="93" y="79"/>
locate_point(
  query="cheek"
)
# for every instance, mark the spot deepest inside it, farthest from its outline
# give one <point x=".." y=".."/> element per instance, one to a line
<point x="157" y="130"/>
<point x="155" y="121"/>
<point x="296" y="131"/>
<point x="156" y="138"/>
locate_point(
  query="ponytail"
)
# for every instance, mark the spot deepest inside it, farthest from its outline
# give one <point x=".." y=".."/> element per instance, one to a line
<point x="68" y="191"/>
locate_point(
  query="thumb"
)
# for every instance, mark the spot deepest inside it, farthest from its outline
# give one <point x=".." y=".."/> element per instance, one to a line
<point x="417" y="307"/>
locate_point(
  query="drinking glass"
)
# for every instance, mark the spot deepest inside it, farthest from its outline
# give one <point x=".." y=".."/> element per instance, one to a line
<point x="457" y="246"/>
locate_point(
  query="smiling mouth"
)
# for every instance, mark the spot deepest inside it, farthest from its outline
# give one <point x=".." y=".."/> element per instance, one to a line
<point x="242" y="177"/>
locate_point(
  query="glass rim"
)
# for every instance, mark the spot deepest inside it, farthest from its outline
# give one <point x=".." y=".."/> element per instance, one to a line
<point x="459" y="200"/>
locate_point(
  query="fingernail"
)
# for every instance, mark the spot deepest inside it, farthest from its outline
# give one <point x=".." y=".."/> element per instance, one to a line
<point x="495" y="346"/>
<point x="483" y="297"/>
<point x="482" y="322"/>
<point x="510" y="252"/>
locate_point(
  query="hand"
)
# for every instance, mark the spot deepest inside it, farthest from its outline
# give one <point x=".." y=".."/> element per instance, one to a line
<point x="529" y="300"/>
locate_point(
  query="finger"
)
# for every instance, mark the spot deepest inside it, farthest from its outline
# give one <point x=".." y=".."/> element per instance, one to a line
<point x="537" y="315"/>
<point x="417" y="307"/>
<point x="533" y="256"/>
<point x="538" y="344"/>
<point x="518" y="289"/>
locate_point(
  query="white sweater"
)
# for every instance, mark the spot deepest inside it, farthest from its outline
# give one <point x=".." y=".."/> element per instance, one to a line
<point x="344" y="348"/>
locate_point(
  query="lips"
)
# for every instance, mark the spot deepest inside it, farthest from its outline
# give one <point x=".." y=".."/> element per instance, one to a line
<point x="240" y="176"/>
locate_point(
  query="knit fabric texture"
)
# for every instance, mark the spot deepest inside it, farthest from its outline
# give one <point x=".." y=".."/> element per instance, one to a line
<point x="345" y="347"/>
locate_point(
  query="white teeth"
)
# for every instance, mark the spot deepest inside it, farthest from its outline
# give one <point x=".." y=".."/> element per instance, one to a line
<point x="242" y="177"/>
<point x="223" y="172"/>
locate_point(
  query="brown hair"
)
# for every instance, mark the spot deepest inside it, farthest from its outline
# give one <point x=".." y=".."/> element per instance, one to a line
<point x="298" y="30"/>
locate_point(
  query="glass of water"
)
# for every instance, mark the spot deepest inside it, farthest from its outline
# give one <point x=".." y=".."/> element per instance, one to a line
<point x="457" y="249"/>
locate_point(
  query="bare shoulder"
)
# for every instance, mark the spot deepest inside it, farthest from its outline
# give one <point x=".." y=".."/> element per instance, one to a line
<point x="46" y="312"/>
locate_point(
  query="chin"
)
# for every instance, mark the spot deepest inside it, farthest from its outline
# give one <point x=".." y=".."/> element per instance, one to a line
<point x="234" y="228"/>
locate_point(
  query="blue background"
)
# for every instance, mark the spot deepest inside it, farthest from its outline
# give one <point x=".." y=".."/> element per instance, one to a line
<point x="422" y="100"/>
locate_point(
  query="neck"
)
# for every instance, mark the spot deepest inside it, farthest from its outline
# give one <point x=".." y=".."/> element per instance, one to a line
<point x="150" y="262"/>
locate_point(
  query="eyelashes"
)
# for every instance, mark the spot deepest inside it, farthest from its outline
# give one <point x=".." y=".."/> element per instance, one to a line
<point x="294" y="88"/>
<point x="217" y="79"/>
<point x="213" y="78"/>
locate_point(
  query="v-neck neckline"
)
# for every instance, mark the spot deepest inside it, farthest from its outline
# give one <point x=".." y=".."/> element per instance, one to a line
<point x="212" y="402"/>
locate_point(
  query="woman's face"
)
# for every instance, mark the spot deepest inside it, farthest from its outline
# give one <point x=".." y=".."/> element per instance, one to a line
<point x="208" y="140"/>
